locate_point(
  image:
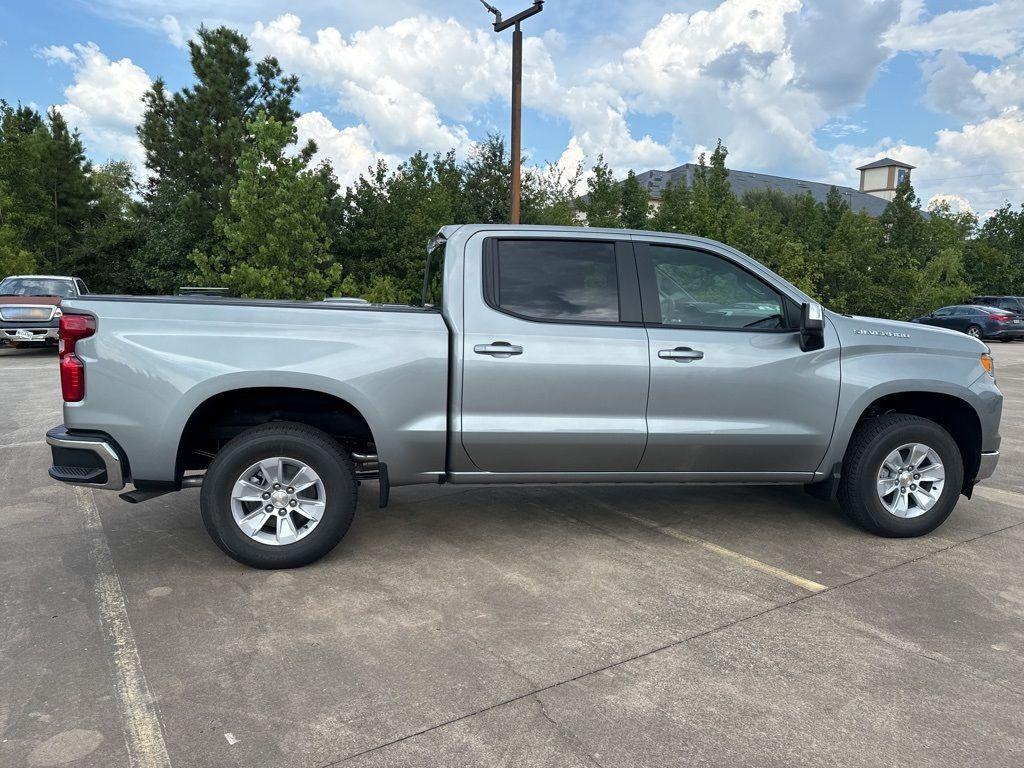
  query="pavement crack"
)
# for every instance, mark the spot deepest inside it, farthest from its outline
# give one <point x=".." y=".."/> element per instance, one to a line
<point x="566" y="735"/>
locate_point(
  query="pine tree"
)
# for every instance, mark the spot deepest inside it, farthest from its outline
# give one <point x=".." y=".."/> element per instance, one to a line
<point x="902" y="222"/>
<point x="193" y="140"/>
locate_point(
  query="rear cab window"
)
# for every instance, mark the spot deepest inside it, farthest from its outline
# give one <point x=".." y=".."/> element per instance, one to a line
<point x="562" y="281"/>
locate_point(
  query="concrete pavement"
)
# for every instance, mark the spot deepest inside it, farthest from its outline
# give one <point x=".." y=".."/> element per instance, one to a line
<point x="590" y="626"/>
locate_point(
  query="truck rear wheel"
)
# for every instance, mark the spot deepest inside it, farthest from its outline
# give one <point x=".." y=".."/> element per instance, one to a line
<point x="279" y="496"/>
<point x="902" y="476"/>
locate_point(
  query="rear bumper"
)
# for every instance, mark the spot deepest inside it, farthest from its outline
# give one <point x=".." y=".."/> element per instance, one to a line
<point x="987" y="466"/>
<point x="92" y="461"/>
<point x="1016" y="332"/>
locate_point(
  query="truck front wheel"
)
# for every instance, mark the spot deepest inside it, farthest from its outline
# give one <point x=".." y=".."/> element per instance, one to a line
<point x="902" y="475"/>
<point x="279" y="496"/>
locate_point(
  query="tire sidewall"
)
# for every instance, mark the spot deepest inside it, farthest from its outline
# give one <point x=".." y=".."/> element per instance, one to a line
<point x="980" y="334"/>
<point x="885" y="443"/>
<point x="247" y="449"/>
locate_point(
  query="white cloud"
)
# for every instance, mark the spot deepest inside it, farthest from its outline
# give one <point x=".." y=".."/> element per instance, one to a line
<point x="996" y="29"/>
<point x="399" y="79"/>
<point x="350" y="151"/>
<point x="172" y="28"/>
<point x="58" y="54"/>
<point x="962" y="90"/>
<point x="105" y="100"/>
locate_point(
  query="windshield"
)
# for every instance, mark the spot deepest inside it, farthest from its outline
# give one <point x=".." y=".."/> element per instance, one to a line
<point x="36" y="286"/>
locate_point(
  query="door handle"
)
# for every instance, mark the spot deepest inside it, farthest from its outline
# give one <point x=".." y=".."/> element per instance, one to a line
<point x="681" y="354"/>
<point x="498" y="349"/>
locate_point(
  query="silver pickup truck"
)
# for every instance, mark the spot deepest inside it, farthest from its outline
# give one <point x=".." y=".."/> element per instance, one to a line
<point x="538" y="355"/>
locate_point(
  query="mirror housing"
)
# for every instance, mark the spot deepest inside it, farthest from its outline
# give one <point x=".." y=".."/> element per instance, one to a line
<point x="812" y="326"/>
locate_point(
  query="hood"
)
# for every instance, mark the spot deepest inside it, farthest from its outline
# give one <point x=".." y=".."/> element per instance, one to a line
<point x="53" y="301"/>
<point x="914" y="337"/>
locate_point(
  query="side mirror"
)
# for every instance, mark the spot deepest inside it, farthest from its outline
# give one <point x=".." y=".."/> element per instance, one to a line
<point x="812" y="326"/>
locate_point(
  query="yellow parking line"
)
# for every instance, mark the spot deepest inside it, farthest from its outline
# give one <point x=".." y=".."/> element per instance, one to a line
<point x="1013" y="498"/>
<point x="757" y="565"/>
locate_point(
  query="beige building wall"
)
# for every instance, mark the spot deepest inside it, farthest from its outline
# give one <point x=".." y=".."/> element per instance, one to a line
<point x="878" y="182"/>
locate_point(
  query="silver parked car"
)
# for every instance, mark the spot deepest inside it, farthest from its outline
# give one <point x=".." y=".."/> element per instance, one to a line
<point x="538" y="355"/>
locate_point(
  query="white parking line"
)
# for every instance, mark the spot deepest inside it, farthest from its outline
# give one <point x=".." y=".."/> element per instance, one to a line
<point x="143" y="734"/>
<point x="5" y="368"/>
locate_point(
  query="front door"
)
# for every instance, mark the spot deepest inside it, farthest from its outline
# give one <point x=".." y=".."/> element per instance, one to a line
<point x="731" y="390"/>
<point x="555" y="368"/>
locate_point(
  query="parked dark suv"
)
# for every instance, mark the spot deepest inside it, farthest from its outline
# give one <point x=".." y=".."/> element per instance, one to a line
<point x="1011" y="303"/>
<point x="978" y="321"/>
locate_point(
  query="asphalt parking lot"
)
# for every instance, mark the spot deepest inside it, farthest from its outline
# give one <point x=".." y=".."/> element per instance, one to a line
<point x="577" y="626"/>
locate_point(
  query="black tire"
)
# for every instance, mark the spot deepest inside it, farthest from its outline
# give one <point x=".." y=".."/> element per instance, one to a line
<point x="978" y="333"/>
<point x="314" y="447"/>
<point x="872" y="441"/>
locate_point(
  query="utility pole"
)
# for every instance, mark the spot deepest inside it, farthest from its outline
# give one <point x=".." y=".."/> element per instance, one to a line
<point x="501" y="25"/>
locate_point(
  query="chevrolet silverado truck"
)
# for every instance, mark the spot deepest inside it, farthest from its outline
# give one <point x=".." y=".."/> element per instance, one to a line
<point x="30" y="307"/>
<point x="537" y="355"/>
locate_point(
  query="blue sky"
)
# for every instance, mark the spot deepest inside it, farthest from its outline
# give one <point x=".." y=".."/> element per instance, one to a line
<point x="805" y="88"/>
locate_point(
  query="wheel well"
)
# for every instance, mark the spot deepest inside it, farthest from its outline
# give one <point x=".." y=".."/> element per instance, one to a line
<point x="227" y="414"/>
<point x="954" y="415"/>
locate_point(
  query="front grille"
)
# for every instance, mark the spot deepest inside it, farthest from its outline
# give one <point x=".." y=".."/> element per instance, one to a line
<point x="15" y="313"/>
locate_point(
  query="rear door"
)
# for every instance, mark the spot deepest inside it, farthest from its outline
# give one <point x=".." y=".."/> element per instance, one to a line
<point x="731" y="391"/>
<point x="555" y="367"/>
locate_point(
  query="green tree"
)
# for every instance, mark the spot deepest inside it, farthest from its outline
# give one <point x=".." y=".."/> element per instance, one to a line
<point x="193" y="140"/>
<point x="112" y="235"/>
<point x="634" y="203"/>
<point x="272" y="240"/>
<point x="674" y="213"/>
<point x="14" y="259"/>
<point x="603" y="202"/>
<point x="713" y="203"/>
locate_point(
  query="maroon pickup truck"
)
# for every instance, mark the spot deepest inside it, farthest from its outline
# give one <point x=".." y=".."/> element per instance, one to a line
<point x="30" y="307"/>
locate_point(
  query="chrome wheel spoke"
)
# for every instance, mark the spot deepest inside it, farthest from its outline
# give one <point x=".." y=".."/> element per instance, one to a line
<point x="918" y="454"/>
<point x="303" y="479"/>
<point x="887" y="485"/>
<point x="272" y="470"/>
<point x="286" y="532"/>
<point x="922" y="499"/>
<point x="253" y="523"/>
<point x="314" y="510"/>
<point x="933" y="473"/>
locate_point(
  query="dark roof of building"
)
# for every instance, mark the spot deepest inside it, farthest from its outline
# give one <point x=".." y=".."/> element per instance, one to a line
<point x="885" y="162"/>
<point x="745" y="181"/>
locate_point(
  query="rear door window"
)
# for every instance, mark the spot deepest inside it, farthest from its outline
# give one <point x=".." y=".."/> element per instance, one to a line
<point x="556" y="280"/>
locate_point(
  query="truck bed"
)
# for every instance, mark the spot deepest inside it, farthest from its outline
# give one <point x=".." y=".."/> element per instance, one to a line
<point x="154" y="360"/>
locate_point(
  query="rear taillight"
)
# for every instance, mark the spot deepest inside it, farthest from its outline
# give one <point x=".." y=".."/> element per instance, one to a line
<point x="999" y="318"/>
<point x="73" y="328"/>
